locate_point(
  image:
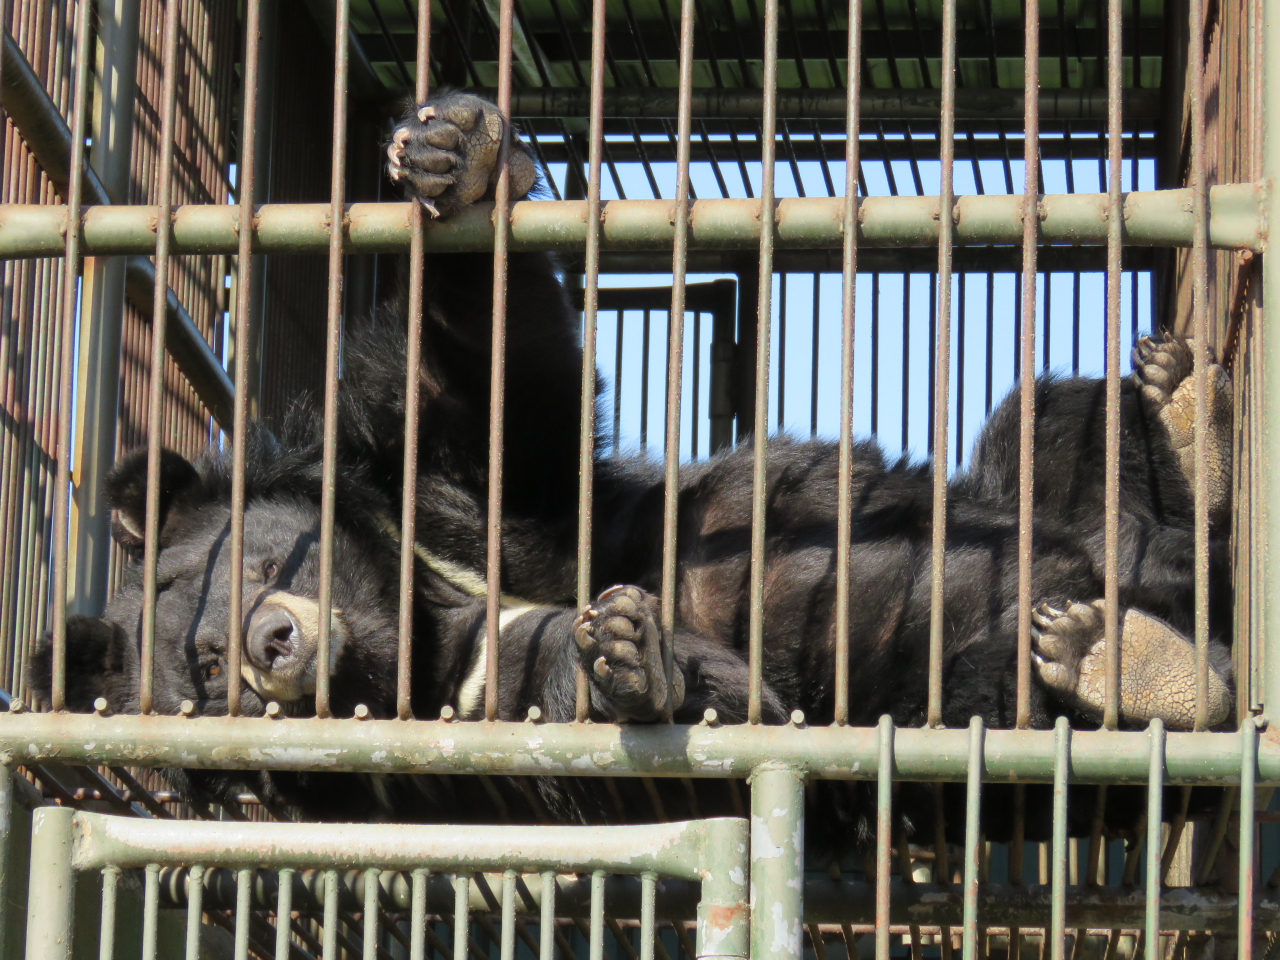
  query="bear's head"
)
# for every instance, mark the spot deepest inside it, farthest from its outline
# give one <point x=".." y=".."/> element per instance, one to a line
<point x="280" y="612"/>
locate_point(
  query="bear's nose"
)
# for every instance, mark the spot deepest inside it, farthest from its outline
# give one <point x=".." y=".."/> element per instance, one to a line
<point x="273" y="636"/>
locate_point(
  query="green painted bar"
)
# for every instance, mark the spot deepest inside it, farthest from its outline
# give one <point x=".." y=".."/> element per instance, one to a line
<point x="777" y="863"/>
<point x="393" y="746"/>
<point x="51" y="885"/>
<point x="1156" y="218"/>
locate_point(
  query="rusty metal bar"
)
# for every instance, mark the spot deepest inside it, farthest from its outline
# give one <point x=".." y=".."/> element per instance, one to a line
<point x="884" y="835"/>
<point x="759" y="468"/>
<point x="675" y="355"/>
<point x="942" y="363"/>
<point x="1153" y="218"/>
<point x="1111" y="495"/>
<point x="1155" y="800"/>
<point x="497" y="369"/>
<point x="413" y="361"/>
<point x="70" y="271"/>
<point x="1200" y="333"/>
<point x="590" y="306"/>
<point x="1027" y="345"/>
<point x="156" y="384"/>
<point x="240" y="396"/>
<point x="828" y="103"/>
<point x="333" y="334"/>
<point x="848" y="290"/>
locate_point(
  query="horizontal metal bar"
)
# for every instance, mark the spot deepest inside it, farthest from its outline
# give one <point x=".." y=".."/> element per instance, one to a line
<point x="432" y="746"/>
<point x="825" y="900"/>
<point x="670" y="849"/>
<point x="813" y="103"/>
<point x="1152" y="218"/>
<point x="47" y="136"/>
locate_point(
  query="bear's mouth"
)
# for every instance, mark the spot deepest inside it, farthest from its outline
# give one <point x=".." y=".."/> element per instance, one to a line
<point x="281" y="641"/>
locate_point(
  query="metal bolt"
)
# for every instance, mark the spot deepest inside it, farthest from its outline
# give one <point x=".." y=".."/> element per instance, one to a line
<point x="710" y="717"/>
<point x="17" y="706"/>
<point x="535" y="713"/>
<point x="362" y="712"/>
<point x="797" y="718"/>
<point x="446" y="713"/>
<point x="187" y="708"/>
<point x="100" y="706"/>
<point x="273" y="710"/>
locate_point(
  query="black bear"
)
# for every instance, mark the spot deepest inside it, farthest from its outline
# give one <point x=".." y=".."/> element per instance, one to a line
<point x="445" y="154"/>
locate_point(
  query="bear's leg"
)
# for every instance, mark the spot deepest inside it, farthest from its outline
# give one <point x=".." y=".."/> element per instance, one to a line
<point x="1162" y="372"/>
<point x="446" y="152"/>
<point x="620" y="641"/>
<point x="1157" y="666"/>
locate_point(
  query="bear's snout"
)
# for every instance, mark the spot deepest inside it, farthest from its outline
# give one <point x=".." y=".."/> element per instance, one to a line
<point x="273" y="638"/>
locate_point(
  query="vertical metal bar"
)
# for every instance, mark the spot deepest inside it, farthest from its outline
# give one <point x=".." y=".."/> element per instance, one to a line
<point x="107" y="927"/>
<point x="942" y="351"/>
<point x="284" y="908"/>
<point x="590" y="302"/>
<point x="461" y="917"/>
<point x="759" y="476"/>
<point x="617" y="383"/>
<point x="675" y="349"/>
<point x="1200" y="333"/>
<point x="972" y="837"/>
<point x="648" y="897"/>
<point x="777" y="863"/>
<point x="497" y="369"/>
<point x="848" y="280"/>
<point x="508" y="915"/>
<point x="155" y="387"/>
<point x="1248" y="828"/>
<point x="645" y="327"/>
<point x="151" y="911"/>
<point x="371" y="914"/>
<point x="244" y="350"/>
<point x="1268" y="636"/>
<point x="244" y="888"/>
<point x="1058" y="901"/>
<point x="884" y="834"/>
<point x="413" y="360"/>
<point x="695" y="386"/>
<point x="6" y="771"/>
<point x="1115" y="228"/>
<point x="547" y="921"/>
<point x="50" y="886"/>
<point x="67" y="322"/>
<point x="782" y="346"/>
<point x="813" y="358"/>
<point x="596" y="951"/>
<point x="333" y="333"/>
<point x="1027" y="376"/>
<point x="418" y="915"/>
<point x="1155" y="821"/>
<point x="195" y="909"/>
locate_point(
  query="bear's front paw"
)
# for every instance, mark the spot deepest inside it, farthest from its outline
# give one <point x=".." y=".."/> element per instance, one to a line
<point x="620" y="639"/>
<point x="446" y="153"/>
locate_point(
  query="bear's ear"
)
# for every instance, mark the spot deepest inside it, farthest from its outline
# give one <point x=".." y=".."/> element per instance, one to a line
<point x="126" y="490"/>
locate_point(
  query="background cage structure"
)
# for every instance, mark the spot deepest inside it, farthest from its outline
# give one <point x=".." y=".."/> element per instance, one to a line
<point x="1118" y="154"/>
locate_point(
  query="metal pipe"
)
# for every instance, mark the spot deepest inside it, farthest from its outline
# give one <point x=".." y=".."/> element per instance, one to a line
<point x="826" y="103"/>
<point x="1158" y="218"/>
<point x="777" y="863"/>
<point x="333" y="334"/>
<point x="418" y="917"/>
<point x="884" y="835"/>
<point x="1248" y="831"/>
<point x="500" y="223"/>
<point x="47" y="136"/>
<point x="107" y="926"/>
<point x="1267" y="639"/>
<point x="66" y="326"/>
<point x="6" y="831"/>
<point x="972" y="835"/>
<point x="516" y="748"/>
<point x="1155" y="797"/>
<point x="50" y="885"/>
<point x="195" y="909"/>
<point x="1058" y="891"/>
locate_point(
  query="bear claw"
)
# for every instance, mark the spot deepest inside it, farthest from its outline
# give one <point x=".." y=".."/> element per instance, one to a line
<point x="621" y="643"/>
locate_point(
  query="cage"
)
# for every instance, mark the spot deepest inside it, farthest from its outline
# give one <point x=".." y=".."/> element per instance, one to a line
<point x="965" y="196"/>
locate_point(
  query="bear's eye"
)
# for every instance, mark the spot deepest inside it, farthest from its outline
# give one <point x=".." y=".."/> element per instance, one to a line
<point x="270" y="569"/>
<point x="213" y="670"/>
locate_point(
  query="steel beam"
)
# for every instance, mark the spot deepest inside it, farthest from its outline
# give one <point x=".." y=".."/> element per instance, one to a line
<point x="777" y="863"/>
<point x="1152" y="218"/>
<point x="819" y="104"/>
<point x="47" y="136"/>
<point x="598" y="749"/>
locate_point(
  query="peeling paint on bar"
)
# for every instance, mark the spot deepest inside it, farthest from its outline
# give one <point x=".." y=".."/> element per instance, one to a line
<point x="390" y="746"/>
<point x="1152" y="218"/>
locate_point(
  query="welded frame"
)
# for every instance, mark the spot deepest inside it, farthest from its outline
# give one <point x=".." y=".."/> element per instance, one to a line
<point x="1227" y="217"/>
